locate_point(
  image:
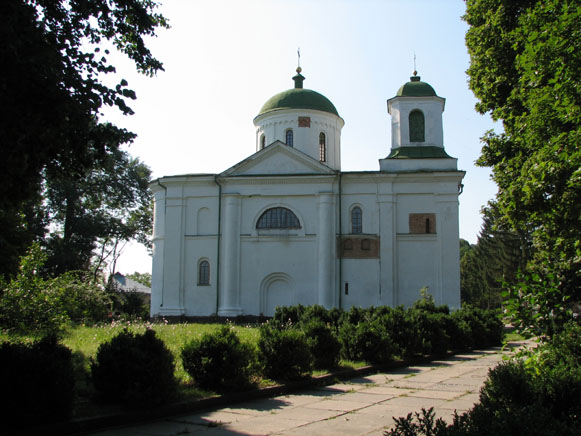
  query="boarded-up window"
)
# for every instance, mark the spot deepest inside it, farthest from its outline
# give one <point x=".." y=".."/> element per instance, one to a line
<point x="422" y="223"/>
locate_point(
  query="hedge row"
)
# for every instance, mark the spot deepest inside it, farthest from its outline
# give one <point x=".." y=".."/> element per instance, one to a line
<point x="138" y="369"/>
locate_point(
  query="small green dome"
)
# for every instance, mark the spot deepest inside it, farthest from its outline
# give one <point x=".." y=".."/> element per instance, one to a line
<point x="416" y="88"/>
<point x="298" y="98"/>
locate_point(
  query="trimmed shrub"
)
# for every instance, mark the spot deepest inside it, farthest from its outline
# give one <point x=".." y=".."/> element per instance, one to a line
<point x="323" y="343"/>
<point x="136" y="369"/>
<point x="288" y="314"/>
<point x="368" y="340"/>
<point x="37" y="382"/>
<point x="218" y="360"/>
<point x="284" y="352"/>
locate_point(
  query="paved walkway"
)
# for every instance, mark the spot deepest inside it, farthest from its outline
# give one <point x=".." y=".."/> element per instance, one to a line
<point x="360" y="406"/>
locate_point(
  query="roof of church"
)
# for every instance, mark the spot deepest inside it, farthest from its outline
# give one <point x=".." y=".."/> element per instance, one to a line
<point x="418" y="152"/>
<point x="298" y="98"/>
<point x="416" y="88"/>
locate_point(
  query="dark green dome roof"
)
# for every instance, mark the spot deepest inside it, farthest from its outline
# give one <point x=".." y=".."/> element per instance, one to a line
<point x="416" y="88"/>
<point x="298" y="98"/>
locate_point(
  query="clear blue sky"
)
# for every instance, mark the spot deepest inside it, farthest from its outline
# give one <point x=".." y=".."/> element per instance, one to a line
<point x="224" y="59"/>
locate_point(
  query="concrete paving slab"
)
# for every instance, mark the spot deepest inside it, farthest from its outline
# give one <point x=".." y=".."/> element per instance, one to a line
<point x="340" y="405"/>
<point x="313" y="414"/>
<point x="363" y="397"/>
<point x="388" y="391"/>
<point x="342" y="387"/>
<point x="435" y="394"/>
<point x="415" y="402"/>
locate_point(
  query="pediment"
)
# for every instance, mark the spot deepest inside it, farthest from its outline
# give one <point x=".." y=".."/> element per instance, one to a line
<point x="277" y="158"/>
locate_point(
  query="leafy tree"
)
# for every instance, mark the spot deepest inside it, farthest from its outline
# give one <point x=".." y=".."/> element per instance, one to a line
<point x="105" y="206"/>
<point x="525" y="69"/>
<point x="143" y="278"/>
<point x="54" y="59"/>
<point x="494" y="260"/>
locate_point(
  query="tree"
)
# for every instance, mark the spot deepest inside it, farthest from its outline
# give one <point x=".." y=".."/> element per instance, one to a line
<point x="525" y="70"/>
<point x="52" y="94"/>
<point x="105" y="206"/>
<point x="494" y="260"/>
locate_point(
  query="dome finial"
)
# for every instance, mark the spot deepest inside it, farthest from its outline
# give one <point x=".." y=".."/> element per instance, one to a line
<point x="299" y="77"/>
<point x="415" y="77"/>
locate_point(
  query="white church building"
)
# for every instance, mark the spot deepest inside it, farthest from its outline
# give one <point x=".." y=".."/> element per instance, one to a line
<point x="287" y="226"/>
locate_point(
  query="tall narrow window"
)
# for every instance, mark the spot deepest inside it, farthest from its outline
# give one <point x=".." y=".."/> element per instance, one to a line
<point x="356" y="220"/>
<point x="262" y="142"/>
<point x="322" y="147"/>
<point x="204" y="273"/>
<point x="417" y="126"/>
<point x="289" y="138"/>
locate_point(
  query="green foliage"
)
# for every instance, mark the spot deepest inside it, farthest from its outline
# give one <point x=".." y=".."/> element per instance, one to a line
<point x="492" y="262"/>
<point x="31" y="303"/>
<point x="322" y="342"/>
<point x="99" y="207"/>
<point x="36" y="382"/>
<point x="218" y="360"/>
<point x="525" y="68"/>
<point x="55" y="55"/>
<point x="283" y="352"/>
<point x="367" y="340"/>
<point x="538" y="305"/>
<point x="143" y="278"/>
<point x="136" y="369"/>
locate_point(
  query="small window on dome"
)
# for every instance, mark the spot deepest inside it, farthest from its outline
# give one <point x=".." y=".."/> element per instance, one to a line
<point x="417" y="126"/>
<point x="262" y="141"/>
<point x="289" y="137"/>
<point x="322" y="147"/>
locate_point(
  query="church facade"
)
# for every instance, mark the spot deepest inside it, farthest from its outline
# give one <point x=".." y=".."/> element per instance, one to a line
<point x="287" y="226"/>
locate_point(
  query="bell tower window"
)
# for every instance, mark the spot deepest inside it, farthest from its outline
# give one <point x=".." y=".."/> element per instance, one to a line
<point x="262" y="141"/>
<point x="417" y="126"/>
<point x="289" y="137"/>
<point x="322" y="147"/>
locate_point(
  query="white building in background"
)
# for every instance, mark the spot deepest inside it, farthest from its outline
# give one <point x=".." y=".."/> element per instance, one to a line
<point x="287" y="226"/>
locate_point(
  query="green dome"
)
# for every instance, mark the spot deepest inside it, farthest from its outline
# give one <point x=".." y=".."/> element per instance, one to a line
<point x="416" y="88"/>
<point x="299" y="98"/>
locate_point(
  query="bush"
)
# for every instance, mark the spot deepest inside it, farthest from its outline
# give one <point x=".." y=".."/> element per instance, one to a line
<point x="368" y="340"/>
<point x="284" y="352"/>
<point x="37" y="382"/>
<point x="136" y="369"/>
<point x="30" y="303"/>
<point x="323" y="344"/>
<point x="218" y="360"/>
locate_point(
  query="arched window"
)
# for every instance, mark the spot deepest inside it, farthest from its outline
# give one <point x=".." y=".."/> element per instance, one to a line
<point x="322" y="147"/>
<point x="289" y="137"/>
<point x="356" y="220"/>
<point x="417" y="126"/>
<point x="262" y="141"/>
<point x="278" y="218"/>
<point x="204" y="273"/>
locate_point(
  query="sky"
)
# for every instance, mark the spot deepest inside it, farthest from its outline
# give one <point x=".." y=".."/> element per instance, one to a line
<point x="224" y="58"/>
